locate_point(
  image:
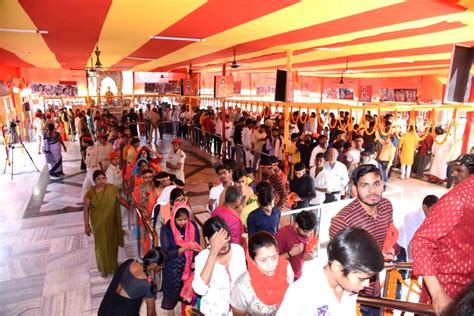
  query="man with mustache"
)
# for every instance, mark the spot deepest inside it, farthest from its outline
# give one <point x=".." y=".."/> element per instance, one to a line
<point x="369" y="211"/>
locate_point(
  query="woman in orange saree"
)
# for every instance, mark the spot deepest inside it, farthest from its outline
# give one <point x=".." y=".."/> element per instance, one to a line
<point x="145" y="196"/>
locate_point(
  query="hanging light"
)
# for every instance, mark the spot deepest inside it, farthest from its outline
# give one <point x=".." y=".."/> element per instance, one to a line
<point x="97" y="52"/>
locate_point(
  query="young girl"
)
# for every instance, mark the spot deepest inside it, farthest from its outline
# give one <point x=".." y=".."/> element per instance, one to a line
<point x="180" y="238"/>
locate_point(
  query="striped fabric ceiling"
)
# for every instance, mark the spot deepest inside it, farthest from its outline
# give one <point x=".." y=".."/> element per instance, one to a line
<point x="378" y="38"/>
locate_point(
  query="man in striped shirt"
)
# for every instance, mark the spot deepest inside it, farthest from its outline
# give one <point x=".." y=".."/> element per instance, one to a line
<point x="369" y="211"/>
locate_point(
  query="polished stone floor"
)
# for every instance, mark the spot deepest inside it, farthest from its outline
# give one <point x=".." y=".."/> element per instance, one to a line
<point x="47" y="263"/>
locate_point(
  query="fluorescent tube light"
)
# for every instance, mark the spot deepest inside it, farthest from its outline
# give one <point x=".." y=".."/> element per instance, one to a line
<point x="139" y="58"/>
<point x="23" y="31"/>
<point x="332" y="49"/>
<point x="170" y="38"/>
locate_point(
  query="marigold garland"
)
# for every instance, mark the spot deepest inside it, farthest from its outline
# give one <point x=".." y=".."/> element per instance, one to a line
<point x="306" y="117"/>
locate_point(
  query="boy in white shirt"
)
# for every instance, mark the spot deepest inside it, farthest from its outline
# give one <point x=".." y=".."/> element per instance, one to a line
<point x="353" y="258"/>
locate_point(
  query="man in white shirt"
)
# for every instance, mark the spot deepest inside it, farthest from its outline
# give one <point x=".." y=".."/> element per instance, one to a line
<point x="321" y="148"/>
<point x="410" y="225"/>
<point x="147" y="119"/>
<point x="332" y="289"/>
<point x="114" y="174"/>
<point x="175" y="161"/>
<point x="217" y="268"/>
<point x="175" y="120"/>
<point x="104" y="148"/>
<point x="92" y="164"/>
<point x="247" y="142"/>
<point x="155" y="122"/>
<point x="225" y="177"/>
<point x="334" y="178"/>
<point x="353" y="156"/>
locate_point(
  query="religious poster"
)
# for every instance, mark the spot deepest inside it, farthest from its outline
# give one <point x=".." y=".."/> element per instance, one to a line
<point x="365" y="94"/>
<point x="264" y="90"/>
<point x="163" y="87"/>
<point x="331" y="94"/>
<point x="190" y="86"/>
<point x="304" y="88"/>
<point x="237" y="87"/>
<point x="405" y="95"/>
<point x="346" y="93"/>
<point x="223" y="86"/>
<point x="150" y="87"/>
<point x="54" y="89"/>
<point x="398" y="95"/>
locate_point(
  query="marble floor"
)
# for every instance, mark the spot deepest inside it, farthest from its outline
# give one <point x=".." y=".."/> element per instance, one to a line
<point x="47" y="263"/>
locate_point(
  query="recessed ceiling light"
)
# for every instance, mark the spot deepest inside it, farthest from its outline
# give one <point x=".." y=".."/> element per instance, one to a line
<point x="171" y="38"/>
<point x="399" y="60"/>
<point x="23" y="31"/>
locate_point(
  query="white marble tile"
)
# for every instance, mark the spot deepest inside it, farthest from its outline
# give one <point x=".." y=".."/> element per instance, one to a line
<point x="67" y="303"/>
<point x="68" y="243"/>
<point x="18" y="290"/>
<point x="68" y="219"/>
<point x="23" y="267"/>
<point x="34" y="234"/>
<point x="66" y="260"/>
<point x="40" y="247"/>
<point x="68" y="230"/>
<point x="29" y="307"/>
<point x="58" y="281"/>
<point x="44" y="221"/>
<point x="10" y="226"/>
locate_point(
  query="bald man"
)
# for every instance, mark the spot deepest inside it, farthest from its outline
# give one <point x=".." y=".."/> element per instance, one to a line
<point x="334" y="178"/>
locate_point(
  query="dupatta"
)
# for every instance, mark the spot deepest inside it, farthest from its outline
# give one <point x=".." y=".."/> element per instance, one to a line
<point x="269" y="289"/>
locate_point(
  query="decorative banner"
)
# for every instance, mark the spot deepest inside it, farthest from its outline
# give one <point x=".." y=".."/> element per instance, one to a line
<point x="163" y="87"/>
<point x="346" y="93"/>
<point x="190" y="86"/>
<point x="54" y="89"/>
<point x="237" y="87"/>
<point x="223" y="86"/>
<point x="365" y="94"/>
<point x="264" y="90"/>
<point x="398" y="95"/>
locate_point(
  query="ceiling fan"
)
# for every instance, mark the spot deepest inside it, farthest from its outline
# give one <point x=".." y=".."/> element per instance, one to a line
<point x="341" y="80"/>
<point x="234" y="63"/>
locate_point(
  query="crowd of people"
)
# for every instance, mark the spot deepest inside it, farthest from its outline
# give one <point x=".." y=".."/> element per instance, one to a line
<point x="252" y="264"/>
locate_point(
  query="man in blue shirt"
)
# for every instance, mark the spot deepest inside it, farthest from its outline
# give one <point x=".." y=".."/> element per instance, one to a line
<point x="267" y="216"/>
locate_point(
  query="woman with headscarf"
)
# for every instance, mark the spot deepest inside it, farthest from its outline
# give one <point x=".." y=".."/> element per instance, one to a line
<point x="133" y="282"/>
<point x="261" y="289"/>
<point x="102" y="218"/>
<point x="52" y="150"/>
<point x="152" y="157"/>
<point x="180" y="238"/>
